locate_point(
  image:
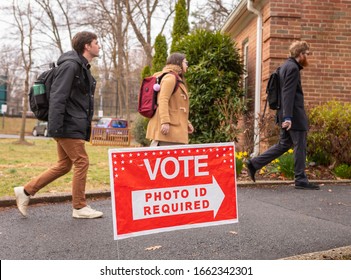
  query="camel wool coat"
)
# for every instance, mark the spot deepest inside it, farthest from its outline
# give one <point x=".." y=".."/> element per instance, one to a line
<point x="173" y="108"/>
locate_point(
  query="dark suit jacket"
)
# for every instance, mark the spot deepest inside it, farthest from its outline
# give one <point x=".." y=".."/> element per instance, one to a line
<point x="292" y="95"/>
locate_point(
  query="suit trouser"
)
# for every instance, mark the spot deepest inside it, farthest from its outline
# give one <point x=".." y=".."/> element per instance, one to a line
<point x="288" y="139"/>
<point x="70" y="152"/>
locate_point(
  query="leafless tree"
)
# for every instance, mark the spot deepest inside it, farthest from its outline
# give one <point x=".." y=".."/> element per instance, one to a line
<point x="64" y="8"/>
<point x="212" y="14"/>
<point x="121" y="42"/>
<point x="10" y="58"/>
<point x="125" y="28"/>
<point x="59" y="20"/>
<point x="140" y="14"/>
<point x="25" y="26"/>
<point x="108" y="19"/>
<point x="45" y="5"/>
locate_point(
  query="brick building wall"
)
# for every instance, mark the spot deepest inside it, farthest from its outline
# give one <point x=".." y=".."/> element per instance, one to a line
<point x="248" y="35"/>
<point x="325" y="24"/>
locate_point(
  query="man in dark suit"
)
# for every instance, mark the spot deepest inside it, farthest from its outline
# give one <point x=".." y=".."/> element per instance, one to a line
<point x="292" y="118"/>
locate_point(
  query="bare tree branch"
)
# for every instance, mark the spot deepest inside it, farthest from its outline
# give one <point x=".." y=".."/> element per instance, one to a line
<point x="65" y="14"/>
<point x="45" y="4"/>
<point x="212" y="14"/>
<point x="26" y="38"/>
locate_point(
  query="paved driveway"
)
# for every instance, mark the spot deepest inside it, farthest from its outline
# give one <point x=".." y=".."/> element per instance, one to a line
<point x="274" y="222"/>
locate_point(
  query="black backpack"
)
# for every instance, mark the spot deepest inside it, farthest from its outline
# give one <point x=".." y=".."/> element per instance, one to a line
<point x="39" y="94"/>
<point x="273" y="92"/>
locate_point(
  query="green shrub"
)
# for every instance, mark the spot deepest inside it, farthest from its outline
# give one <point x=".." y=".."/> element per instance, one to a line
<point x="283" y="165"/>
<point x="240" y="158"/>
<point x="330" y="133"/>
<point x="321" y="157"/>
<point x="286" y="165"/>
<point x="146" y="72"/>
<point x="160" y="57"/>
<point x="213" y="78"/>
<point x="139" y="130"/>
<point x="239" y="164"/>
<point x="343" y="171"/>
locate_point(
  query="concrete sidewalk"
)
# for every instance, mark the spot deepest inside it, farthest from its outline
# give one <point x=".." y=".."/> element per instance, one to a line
<point x="8" y="201"/>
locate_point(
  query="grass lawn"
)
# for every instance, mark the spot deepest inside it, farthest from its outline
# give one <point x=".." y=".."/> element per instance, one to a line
<point x="20" y="163"/>
<point x="13" y="125"/>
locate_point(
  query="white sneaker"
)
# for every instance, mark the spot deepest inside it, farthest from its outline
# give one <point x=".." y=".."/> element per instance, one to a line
<point x="86" y="213"/>
<point x="22" y="200"/>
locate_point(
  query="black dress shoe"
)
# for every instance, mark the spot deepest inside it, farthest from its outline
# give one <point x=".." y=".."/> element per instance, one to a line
<point x="308" y="186"/>
<point x="251" y="169"/>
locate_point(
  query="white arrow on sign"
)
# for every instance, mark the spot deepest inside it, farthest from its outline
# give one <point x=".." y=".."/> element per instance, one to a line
<point x="177" y="200"/>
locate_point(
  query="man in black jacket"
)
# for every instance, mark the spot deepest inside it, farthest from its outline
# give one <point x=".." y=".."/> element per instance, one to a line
<point x="70" y="113"/>
<point x="292" y="118"/>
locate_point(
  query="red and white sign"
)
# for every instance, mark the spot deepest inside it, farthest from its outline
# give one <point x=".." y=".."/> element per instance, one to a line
<point x="157" y="189"/>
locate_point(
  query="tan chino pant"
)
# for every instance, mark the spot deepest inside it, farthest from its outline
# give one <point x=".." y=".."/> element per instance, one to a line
<point x="70" y="152"/>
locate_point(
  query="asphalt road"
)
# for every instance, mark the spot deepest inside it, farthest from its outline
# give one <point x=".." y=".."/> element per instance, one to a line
<point x="274" y="222"/>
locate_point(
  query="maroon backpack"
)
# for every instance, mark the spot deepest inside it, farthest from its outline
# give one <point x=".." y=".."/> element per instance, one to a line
<point x="149" y="89"/>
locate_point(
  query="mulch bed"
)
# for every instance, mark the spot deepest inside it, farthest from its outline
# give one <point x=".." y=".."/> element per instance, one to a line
<point x="313" y="173"/>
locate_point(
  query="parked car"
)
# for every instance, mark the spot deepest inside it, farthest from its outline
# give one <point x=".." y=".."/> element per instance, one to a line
<point x="112" y="122"/>
<point x="113" y="128"/>
<point x="41" y="128"/>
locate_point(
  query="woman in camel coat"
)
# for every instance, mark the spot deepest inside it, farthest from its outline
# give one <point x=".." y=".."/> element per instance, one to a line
<point x="170" y="125"/>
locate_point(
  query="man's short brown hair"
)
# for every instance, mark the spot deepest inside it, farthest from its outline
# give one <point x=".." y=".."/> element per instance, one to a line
<point x="81" y="39"/>
<point x="298" y="47"/>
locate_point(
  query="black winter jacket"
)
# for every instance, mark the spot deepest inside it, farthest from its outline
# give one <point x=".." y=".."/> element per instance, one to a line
<point x="292" y="95"/>
<point x="71" y="98"/>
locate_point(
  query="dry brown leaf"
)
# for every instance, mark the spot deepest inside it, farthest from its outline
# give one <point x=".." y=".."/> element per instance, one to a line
<point x="153" y="248"/>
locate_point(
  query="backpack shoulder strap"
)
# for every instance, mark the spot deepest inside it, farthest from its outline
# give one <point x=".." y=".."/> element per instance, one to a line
<point x="176" y="77"/>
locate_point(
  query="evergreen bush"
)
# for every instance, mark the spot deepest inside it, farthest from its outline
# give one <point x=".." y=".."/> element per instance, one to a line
<point x="216" y="94"/>
<point x="146" y="72"/>
<point x="343" y="171"/>
<point x="180" y="24"/>
<point x="139" y="130"/>
<point x="330" y="133"/>
<point x="160" y="58"/>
